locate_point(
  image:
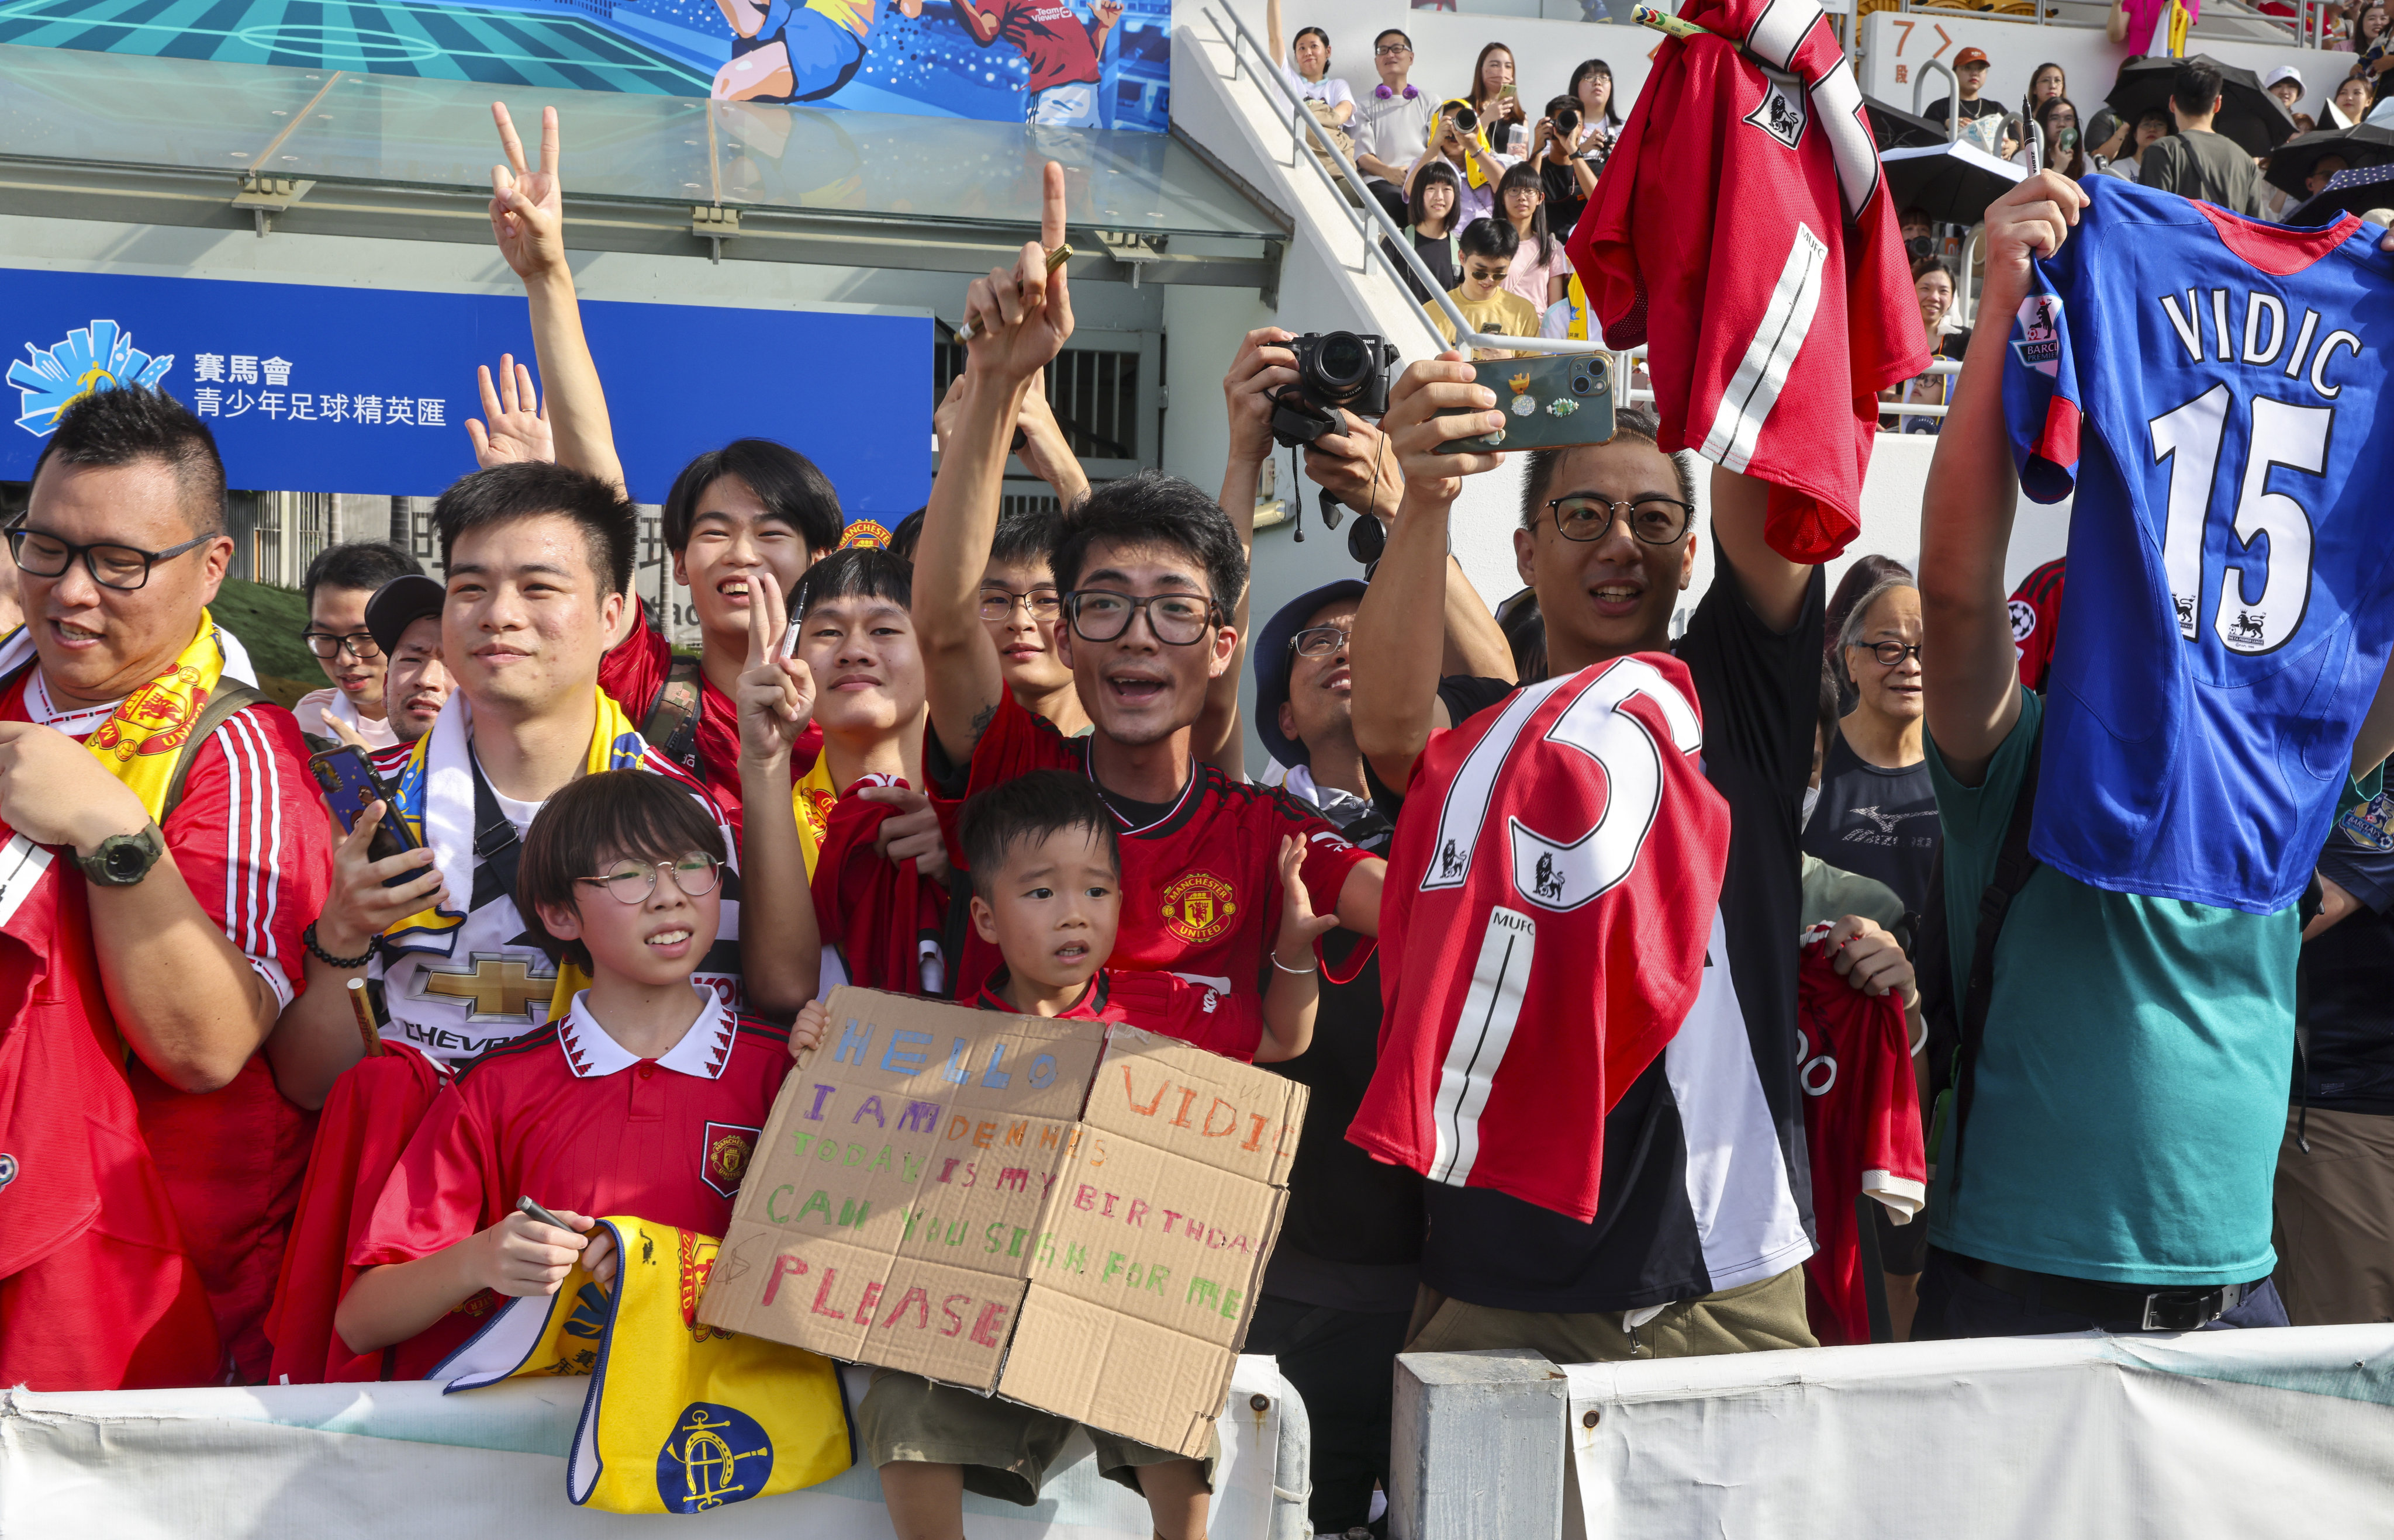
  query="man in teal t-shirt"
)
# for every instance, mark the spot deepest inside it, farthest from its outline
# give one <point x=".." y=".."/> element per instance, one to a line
<point x="2114" y="1170"/>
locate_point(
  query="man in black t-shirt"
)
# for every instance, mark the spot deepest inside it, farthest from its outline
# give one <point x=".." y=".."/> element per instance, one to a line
<point x="1704" y="1213"/>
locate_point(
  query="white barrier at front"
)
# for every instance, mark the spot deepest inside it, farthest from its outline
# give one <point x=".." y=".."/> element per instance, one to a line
<point x="304" y="1462"/>
<point x="2243" y="1434"/>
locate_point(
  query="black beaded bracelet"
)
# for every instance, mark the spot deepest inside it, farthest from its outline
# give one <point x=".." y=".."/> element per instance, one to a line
<point x="308" y="935"/>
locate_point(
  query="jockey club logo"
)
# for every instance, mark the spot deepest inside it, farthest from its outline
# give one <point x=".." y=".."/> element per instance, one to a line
<point x="99" y="357"/>
<point x="1782" y="112"/>
<point x="715" y="1455"/>
<point x="723" y="1158"/>
<point x="1198" y="907"/>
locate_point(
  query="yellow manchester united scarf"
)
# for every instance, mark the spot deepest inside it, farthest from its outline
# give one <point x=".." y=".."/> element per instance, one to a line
<point x="680" y="1418"/>
<point x="141" y="741"/>
<point x="435" y="796"/>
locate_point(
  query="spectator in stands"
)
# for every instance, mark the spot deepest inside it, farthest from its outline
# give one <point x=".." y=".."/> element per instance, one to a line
<point x="1340" y="1286"/>
<point x="2106" y="138"/>
<point x="1877" y="813"/>
<point x="1489" y="248"/>
<point x="2285" y="83"/>
<point x="1919" y="234"/>
<point x="1306" y="67"/>
<point x="2368" y="28"/>
<point x="1391" y="126"/>
<point x="1432" y="227"/>
<point x="2057" y="131"/>
<point x="1971" y="76"/>
<point x="2306" y="124"/>
<point x="1540" y="273"/>
<point x="1599" y="123"/>
<point x="1865" y="574"/>
<point x="2136" y="23"/>
<point x="405" y="618"/>
<point x="2045" y="83"/>
<point x="1498" y="100"/>
<point x="338" y="584"/>
<point x="1566" y="175"/>
<point x="1933" y="282"/>
<point x="2315" y="180"/>
<point x="1020" y="608"/>
<point x="2197" y="162"/>
<point x="2111" y="1168"/>
<point x="2152" y="127"/>
<point x="1477" y="168"/>
<point x="2335" y="1168"/>
<point x="2351" y="103"/>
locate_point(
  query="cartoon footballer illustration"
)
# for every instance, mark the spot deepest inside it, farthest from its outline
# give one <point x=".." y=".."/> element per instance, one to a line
<point x="1063" y="51"/>
<point x="812" y="50"/>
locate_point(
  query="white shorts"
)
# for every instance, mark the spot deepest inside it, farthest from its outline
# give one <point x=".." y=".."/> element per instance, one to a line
<point x="1072" y="105"/>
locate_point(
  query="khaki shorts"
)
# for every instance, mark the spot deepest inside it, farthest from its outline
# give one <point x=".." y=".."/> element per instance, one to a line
<point x="1004" y="1446"/>
<point x="2335" y="1219"/>
<point x="1754" y="1318"/>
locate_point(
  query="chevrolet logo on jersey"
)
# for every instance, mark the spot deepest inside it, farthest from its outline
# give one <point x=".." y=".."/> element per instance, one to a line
<point x="497" y="987"/>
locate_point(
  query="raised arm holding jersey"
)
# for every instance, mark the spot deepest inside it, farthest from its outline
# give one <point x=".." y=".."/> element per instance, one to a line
<point x="154" y="883"/>
<point x="1700" y="1205"/>
<point x="1152" y="571"/>
<point x="2108" y="1149"/>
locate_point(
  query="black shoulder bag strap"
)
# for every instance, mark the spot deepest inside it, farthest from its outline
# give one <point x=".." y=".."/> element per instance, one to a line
<point x="229" y="695"/>
<point x="2014" y="866"/>
<point x="496" y="849"/>
<point x="672" y="723"/>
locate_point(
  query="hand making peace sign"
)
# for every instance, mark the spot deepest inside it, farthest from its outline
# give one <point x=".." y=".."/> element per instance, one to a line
<point x="776" y="694"/>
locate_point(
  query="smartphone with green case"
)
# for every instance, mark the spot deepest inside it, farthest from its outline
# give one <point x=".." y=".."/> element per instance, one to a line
<point x="1550" y="400"/>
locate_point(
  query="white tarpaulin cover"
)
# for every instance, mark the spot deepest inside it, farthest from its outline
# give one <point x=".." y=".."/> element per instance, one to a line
<point x="2241" y="1434"/>
<point x="311" y="1461"/>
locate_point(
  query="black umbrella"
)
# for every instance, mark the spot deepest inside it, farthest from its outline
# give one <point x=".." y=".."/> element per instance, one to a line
<point x="1892" y="128"/>
<point x="2354" y="191"/>
<point x="2248" y="114"/>
<point x="2365" y="144"/>
<point x="1952" y="183"/>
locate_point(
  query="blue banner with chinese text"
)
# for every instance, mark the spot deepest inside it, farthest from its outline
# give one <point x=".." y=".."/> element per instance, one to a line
<point x="312" y="388"/>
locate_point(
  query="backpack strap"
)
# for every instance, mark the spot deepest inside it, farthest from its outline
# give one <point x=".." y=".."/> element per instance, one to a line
<point x="672" y="721"/>
<point x="229" y="695"/>
<point x="2014" y="867"/>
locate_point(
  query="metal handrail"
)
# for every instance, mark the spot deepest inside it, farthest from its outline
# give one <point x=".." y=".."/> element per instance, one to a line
<point x="1396" y="255"/>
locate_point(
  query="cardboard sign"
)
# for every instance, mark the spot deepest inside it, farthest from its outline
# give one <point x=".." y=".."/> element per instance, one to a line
<point x="1071" y="1214"/>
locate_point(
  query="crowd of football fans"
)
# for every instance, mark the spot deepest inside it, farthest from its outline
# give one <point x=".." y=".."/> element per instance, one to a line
<point x="910" y="707"/>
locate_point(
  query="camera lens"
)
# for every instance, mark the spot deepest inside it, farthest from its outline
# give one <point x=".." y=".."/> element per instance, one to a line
<point x="1465" y="117"/>
<point x="1343" y="358"/>
<point x="1567" y="122"/>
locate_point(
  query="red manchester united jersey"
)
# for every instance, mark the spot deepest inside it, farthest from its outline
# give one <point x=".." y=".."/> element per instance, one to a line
<point x="1861" y="1119"/>
<point x="1232" y="1026"/>
<point x="565" y="1116"/>
<point x="1549" y="894"/>
<point x="2036" y="607"/>
<point x="250" y="841"/>
<point x="1200" y="883"/>
<point x="1743" y="233"/>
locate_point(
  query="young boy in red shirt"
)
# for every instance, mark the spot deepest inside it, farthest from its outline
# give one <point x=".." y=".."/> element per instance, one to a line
<point x="645" y="1099"/>
<point x="1047" y="870"/>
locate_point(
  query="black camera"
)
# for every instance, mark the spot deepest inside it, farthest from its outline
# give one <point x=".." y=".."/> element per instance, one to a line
<point x="1567" y="123"/>
<point x="1462" y="116"/>
<point x="1341" y="370"/>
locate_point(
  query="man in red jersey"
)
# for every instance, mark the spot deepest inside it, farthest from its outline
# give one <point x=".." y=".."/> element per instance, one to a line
<point x="2036" y="615"/>
<point x="1152" y="573"/>
<point x="129" y="919"/>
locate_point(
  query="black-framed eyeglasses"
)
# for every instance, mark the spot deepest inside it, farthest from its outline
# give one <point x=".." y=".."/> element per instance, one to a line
<point x="633" y="881"/>
<point x="1100" y="615"/>
<point x="998" y="603"/>
<point x="328" y="645"/>
<point x="1888" y="654"/>
<point x="125" y="567"/>
<point x="1390" y="50"/>
<point x="1654" y="520"/>
<point x="1319" y="641"/>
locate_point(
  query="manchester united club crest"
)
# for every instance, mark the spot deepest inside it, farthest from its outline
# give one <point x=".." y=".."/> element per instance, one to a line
<point x="155" y="719"/>
<point x="724" y="1159"/>
<point x="698" y="1261"/>
<point x="815" y="806"/>
<point x="1781" y="111"/>
<point x="1198" y="907"/>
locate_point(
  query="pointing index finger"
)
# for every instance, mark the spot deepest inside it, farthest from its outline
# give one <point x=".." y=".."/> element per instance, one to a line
<point x="1051" y="207"/>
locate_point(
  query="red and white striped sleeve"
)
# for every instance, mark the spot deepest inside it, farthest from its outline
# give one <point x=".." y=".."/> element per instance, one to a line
<point x="250" y="840"/>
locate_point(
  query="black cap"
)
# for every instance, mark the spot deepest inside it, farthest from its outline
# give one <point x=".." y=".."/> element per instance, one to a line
<point x="400" y="604"/>
<point x="1273" y="662"/>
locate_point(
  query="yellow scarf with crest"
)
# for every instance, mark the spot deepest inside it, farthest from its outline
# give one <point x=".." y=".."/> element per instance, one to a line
<point x="144" y="738"/>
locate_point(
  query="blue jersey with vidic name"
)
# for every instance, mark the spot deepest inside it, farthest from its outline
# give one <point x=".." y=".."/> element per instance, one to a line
<point x="2213" y="389"/>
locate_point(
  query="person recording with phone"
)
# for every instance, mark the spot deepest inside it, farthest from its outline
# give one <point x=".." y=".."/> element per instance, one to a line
<point x="1497" y="100"/>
